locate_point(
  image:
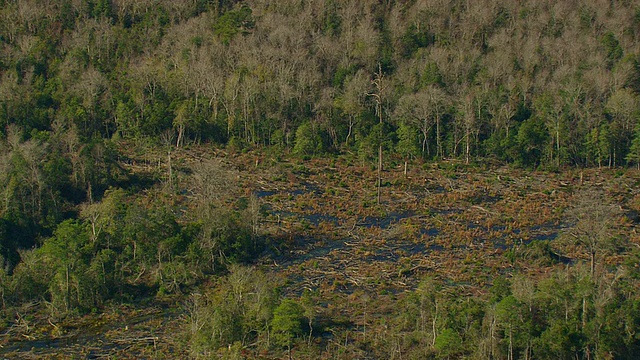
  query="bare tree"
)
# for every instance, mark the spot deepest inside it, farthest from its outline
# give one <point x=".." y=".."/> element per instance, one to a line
<point x="417" y="109"/>
<point x="352" y="101"/>
<point x="593" y="224"/>
<point x="380" y="84"/>
<point x="437" y="100"/>
<point x="467" y="111"/>
<point x="167" y="139"/>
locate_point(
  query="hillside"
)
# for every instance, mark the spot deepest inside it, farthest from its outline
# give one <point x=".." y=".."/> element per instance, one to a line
<point x="466" y="251"/>
<point x="319" y="179"/>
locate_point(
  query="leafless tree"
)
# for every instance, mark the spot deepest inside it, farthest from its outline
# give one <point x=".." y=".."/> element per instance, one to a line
<point x="592" y="224"/>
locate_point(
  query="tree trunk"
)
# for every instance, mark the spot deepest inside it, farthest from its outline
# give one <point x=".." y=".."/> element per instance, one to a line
<point x="67" y="290"/>
<point x="510" y="342"/>
<point x="180" y="135"/>
<point x="364" y="326"/>
<point x="558" y="144"/>
<point x="170" y="170"/>
<point x="379" y="171"/>
<point x="438" y="142"/>
<point x="346" y="141"/>
<point x="467" y="148"/>
<point x="492" y="330"/>
<point x="433" y="324"/>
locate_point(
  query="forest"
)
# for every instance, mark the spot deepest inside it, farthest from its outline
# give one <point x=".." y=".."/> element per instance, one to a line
<point x="395" y="179"/>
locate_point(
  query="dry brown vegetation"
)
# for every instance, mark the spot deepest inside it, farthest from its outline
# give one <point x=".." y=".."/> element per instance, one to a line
<point x="460" y="225"/>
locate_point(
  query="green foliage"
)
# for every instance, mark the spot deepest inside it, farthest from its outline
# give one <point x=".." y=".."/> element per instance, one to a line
<point x="558" y="341"/>
<point x="342" y="73"/>
<point x="30" y="279"/>
<point x="233" y="22"/>
<point x="239" y="310"/>
<point x="331" y="21"/>
<point x="126" y="120"/>
<point x="287" y="322"/>
<point x="614" y="51"/>
<point x="408" y="141"/>
<point x="532" y="139"/>
<point x="413" y="39"/>
<point x="308" y="140"/>
<point x="157" y="115"/>
<point x="431" y="75"/>
<point x="499" y="290"/>
<point x="634" y="151"/>
<point x="67" y="255"/>
<point x="599" y="145"/>
<point x="502" y="146"/>
<point x="376" y="136"/>
<point x="99" y="8"/>
<point x="99" y="167"/>
<point x="227" y="239"/>
<point x="115" y="77"/>
<point x="81" y="82"/>
<point x="448" y="343"/>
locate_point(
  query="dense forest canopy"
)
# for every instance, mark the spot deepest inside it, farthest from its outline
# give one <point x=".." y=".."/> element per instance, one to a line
<point x="529" y="82"/>
<point x="97" y="97"/>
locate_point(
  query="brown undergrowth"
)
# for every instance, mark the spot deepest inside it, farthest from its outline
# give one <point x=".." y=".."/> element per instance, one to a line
<point x="464" y="225"/>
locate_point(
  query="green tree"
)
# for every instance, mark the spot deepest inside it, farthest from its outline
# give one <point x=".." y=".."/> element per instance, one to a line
<point x="612" y="47"/>
<point x="4" y="283"/>
<point x="532" y="139"/>
<point x="352" y="101"/>
<point x="66" y="253"/>
<point x="599" y="145"/>
<point x="548" y="109"/>
<point x="634" y="151"/>
<point x="233" y="22"/>
<point x="238" y="310"/>
<point x="308" y="141"/>
<point x="509" y="315"/>
<point x="557" y="341"/>
<point x="287" y="323"/>
<point x="448" y="343"/>
<point x="408" y="143"/>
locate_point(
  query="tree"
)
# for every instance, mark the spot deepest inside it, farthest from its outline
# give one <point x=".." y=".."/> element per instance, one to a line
<point x="353" y="99"/>
<point x="634" y="151"/>
<point x="557" y="341"/>
<point x="509" y="315"/>
<point x="4" y="282"/>
<point x="430" y="309"/>
<point x="623" y="107"/>
<point x="287" y="323"/>
<point x="379" y="96"/>
<point x="548" y="109"/>
<point x="599" y="144"/>
<point x="233" y="22"/>
<point x="532" y="139"/>
<point x="408" y="140"/>
<point x="438" y="101"/>
<point x="238" y="310"/>
<point x="448" y="343"/>
<point x="470" y="110"/>
<point x="593" y="224"/>
<point x="66" y="252"/>
<point x="612" y="47"/>
<point x="417" y="110"/>
<point x="308" y="141"/>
